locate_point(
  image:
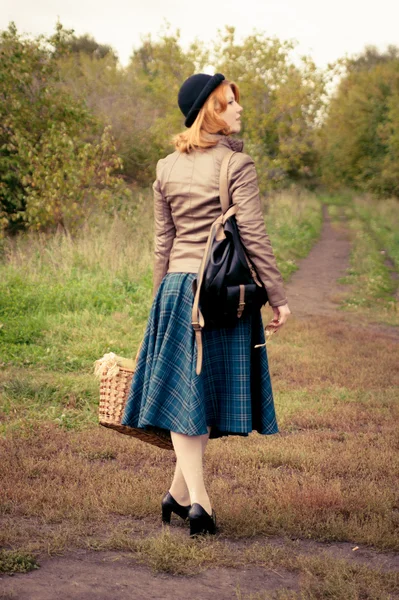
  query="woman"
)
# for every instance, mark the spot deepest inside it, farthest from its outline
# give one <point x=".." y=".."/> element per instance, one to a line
<point x="232" y="395"/>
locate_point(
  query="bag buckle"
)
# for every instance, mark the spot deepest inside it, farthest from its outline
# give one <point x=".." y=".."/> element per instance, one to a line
<point x="241" y="301"/>
<point x="196" y="326"/>
<point x="241" y="306"/>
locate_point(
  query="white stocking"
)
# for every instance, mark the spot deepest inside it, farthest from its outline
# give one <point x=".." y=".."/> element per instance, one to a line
<point x="189" y="467"/>
<point x="178" y="488"/>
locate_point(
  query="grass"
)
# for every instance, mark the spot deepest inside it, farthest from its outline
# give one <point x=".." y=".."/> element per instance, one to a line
<point x="69" y="400"/>
<point x="325" y="577"/>
<point x="319" y="576"/>
<point x="16" y="562"/>
<point x="382" y="218"/>
<point x="374" y="261"/>
<point x="293" y="222"/>
<point x="330" y="579"/>
<point x="65" y="302"/>
<point x="330" y="475"/>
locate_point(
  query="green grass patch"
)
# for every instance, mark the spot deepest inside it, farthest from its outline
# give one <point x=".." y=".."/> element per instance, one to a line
<point x="65" y="302"/>
<point x="293" y="222"/>
<point x="382" y="219"/>
<point x="374" y="260"/>
<point x="16" y="562"/>
<point x="368" y="274"/>
<point x="69" y="400"/>
<point x="341" y="198"/>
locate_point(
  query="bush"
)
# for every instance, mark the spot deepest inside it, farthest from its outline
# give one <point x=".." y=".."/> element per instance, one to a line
<point x="54" y="162"/>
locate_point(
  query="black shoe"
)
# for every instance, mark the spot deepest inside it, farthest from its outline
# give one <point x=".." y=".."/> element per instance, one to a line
<point x="201" y="522"/>
<point x="170" y="505"/>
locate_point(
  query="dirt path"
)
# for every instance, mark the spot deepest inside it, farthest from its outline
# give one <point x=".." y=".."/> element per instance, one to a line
<point x="88" y="575"/>
<point x="114" y="576"/>
<point x="314" y="289"/>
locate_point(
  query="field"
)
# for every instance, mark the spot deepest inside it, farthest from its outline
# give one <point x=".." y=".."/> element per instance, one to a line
<point x="317" y="504"/>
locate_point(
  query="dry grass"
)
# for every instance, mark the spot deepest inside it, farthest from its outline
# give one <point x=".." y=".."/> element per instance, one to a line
<point x="111" y="247"/>
<point x="322" y="351"/>
<point x="331" y="474"/>
<point x="322" y="576"/>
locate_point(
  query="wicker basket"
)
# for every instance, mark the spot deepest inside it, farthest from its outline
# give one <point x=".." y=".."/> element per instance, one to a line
<point x="115" y="374"/>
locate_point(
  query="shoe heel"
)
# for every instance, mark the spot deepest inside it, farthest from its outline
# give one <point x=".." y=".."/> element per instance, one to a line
<point x="169" y="506"/>
<point x="166" y="514"/>
<point x="201" y="522"/>
<point x="196" y="527"/>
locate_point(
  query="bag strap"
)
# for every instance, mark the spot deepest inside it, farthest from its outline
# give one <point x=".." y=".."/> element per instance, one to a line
<point x="224" y="194"/>
<point x="197" y="318"/>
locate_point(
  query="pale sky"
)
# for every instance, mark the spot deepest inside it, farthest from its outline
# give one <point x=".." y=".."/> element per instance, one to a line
<point x="324" y="30"/>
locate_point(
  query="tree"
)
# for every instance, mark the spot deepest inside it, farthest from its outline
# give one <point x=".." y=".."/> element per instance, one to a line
<point x="359" y="142"/>
<point x="36" y="116"/>
<point x="157" y="69"/>
<point x="370" y="57"/>
<point x="139" y="102"/>
<point x="281" y="100"/>
<point x="68" y="180"/>
<point x="86" y="44"/>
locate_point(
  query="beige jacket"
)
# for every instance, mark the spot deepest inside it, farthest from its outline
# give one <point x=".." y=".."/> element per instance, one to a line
<point x="186" y="202"/>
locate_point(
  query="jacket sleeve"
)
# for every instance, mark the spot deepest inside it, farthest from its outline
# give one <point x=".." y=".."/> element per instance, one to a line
<point x="164" y="232"/>
<point x="244" y="192"/>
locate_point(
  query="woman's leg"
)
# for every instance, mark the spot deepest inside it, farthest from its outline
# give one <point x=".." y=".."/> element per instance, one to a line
<point x="189" y="453"/>
<point x="178" y="488"/>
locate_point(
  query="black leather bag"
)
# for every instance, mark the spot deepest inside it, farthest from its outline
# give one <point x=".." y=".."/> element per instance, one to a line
<point x="227" y="285"/>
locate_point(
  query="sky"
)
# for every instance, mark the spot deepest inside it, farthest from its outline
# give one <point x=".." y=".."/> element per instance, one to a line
<point x="325" y="30"/>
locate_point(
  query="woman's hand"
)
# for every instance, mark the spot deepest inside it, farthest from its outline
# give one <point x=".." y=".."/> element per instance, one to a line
<point x="281" y="314"/>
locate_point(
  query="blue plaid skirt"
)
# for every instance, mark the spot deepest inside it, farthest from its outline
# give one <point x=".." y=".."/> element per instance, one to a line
<point x="233" y="393"/>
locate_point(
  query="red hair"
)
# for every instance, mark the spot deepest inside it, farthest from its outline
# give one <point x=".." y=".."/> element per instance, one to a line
<point x="207" y="121"/>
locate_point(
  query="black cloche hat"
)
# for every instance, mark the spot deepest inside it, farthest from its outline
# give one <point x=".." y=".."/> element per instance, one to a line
<point x="194" y="92"/>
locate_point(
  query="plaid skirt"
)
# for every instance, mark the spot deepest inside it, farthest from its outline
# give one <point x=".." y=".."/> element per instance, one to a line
<point x="233" y="393"/>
